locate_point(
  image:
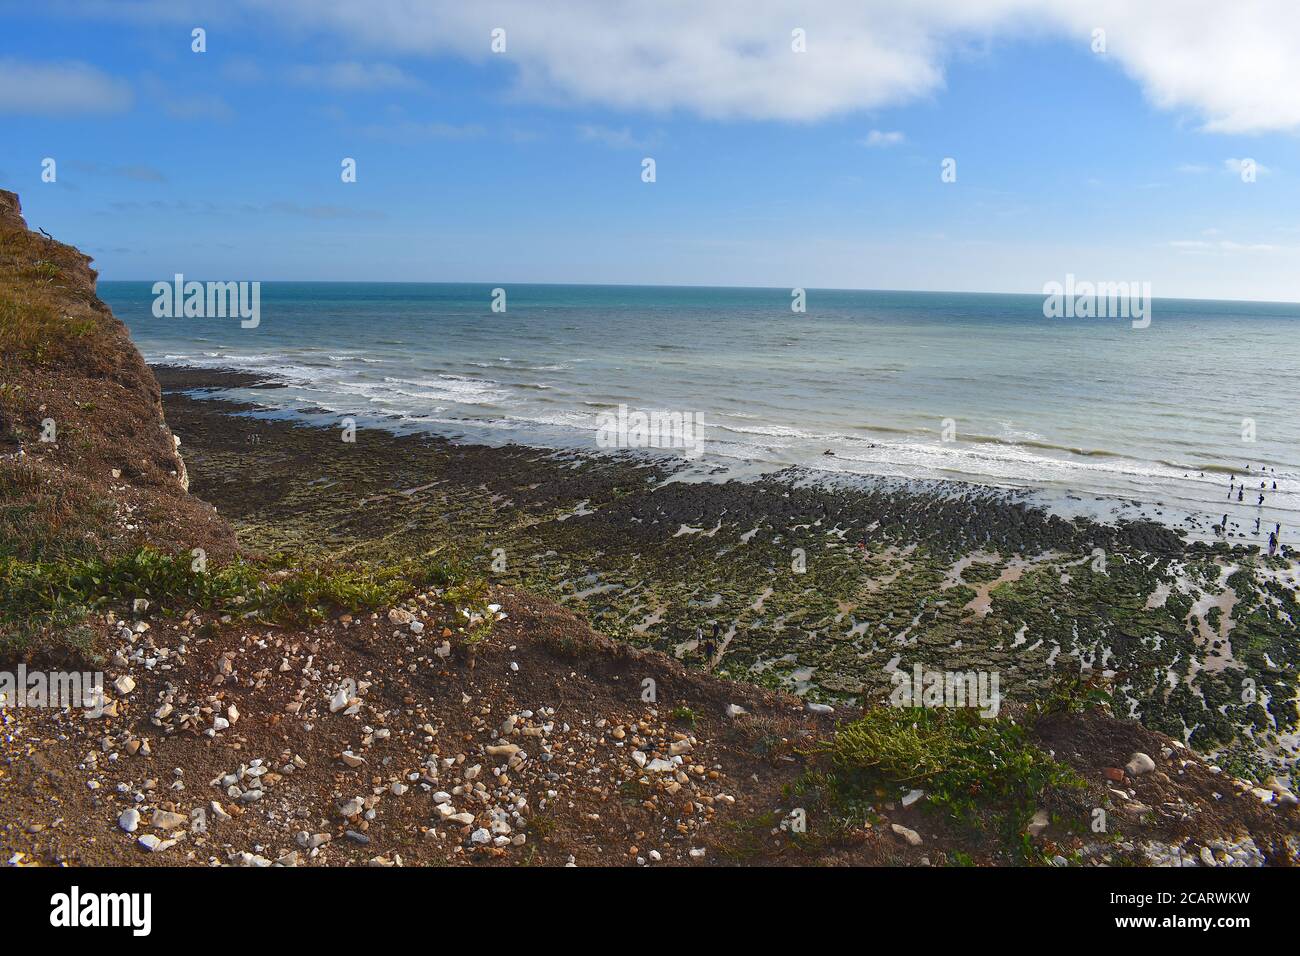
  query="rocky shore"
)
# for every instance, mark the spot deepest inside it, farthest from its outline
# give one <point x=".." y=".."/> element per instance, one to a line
<point x="819" y="590"/>
<point x="400" y="651"/>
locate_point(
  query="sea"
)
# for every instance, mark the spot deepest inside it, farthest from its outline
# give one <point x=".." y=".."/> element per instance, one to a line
<point x="1087" y="414"/>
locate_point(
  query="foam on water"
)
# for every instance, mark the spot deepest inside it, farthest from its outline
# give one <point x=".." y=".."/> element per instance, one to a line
<point x="1084" y="408"/>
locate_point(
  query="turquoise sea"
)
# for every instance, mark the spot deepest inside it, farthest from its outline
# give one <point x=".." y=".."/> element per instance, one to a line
<point x="1086" y="408"/>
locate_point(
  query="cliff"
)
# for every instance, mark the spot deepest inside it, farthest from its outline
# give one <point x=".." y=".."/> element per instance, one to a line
<point x="89" y="465"/>
<point x="290" y="714"/>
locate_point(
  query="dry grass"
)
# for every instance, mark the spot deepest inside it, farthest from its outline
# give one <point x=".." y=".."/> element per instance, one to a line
<point x="42" y="315"/>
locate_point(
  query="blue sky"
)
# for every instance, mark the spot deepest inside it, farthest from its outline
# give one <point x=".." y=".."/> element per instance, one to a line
<point x="526" y="165"/>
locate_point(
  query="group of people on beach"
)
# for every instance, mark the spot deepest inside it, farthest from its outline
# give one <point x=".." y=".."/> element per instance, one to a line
<point x="1274" y="536"/>
<point x="708" y="645"/>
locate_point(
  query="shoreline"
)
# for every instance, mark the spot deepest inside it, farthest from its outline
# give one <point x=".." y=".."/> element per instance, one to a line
<point x="820" y="590"/>
<point x="1191" y="523"/>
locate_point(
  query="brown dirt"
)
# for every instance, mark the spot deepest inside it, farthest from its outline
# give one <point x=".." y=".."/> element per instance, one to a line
<point x="423" y="713"/>
<point x="60" y="497"/>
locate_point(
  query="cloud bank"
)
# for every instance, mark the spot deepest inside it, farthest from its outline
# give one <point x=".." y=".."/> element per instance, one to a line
<point x="59" y="88"/>
<point x="1230" y="63"/>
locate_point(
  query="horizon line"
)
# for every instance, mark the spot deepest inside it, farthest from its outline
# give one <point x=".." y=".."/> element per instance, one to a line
<point x="652" y="285"/>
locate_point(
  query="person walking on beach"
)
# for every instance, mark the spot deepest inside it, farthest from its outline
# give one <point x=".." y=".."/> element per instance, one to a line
<point x="1257" y="524"/>
<point x="1225" y="526"/>
<point x="1272" y="544"/>
<point x="1240" y="491"/>
<point x="710" y="646"/>
<point x="1261" y="500"/>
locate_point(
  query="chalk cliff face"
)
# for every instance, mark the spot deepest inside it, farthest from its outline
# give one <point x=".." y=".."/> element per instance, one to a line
<point x="88" y="458"/>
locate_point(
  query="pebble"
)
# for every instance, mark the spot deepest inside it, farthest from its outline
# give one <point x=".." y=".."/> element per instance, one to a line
<point x="911" y="836"/>
<point x="166" y="820"/>
<point x="1038" y="823"/>
<point x="1139" y="764"/>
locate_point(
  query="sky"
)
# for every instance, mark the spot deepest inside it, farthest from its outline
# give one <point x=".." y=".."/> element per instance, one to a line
<point x="794" y="144"/>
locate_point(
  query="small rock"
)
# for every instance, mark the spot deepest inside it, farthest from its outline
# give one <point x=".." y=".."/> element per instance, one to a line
<point x="911" y="836"/>
<point x="1139" y="764"/>
<point x="166" y="820"/>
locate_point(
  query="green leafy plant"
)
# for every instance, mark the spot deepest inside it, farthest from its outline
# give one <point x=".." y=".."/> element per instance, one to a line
<point x="978" y="771"/>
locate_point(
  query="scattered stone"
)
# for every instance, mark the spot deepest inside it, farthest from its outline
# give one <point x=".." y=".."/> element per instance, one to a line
<point x="166" y="820"/>
<point x="911" y="836"/>
<point x="1038" y="823"/>
<point x="1139" y="764"/>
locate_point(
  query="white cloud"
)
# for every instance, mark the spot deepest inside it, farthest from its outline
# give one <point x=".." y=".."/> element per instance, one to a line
<point x="614" y="138"/>
<point x="1223" y="247"/>
<point x="1233" y="62"/>
<point x="60" y="88"/>
<point x="352" y="76"/>
<point x="1230" y="62"/>
<point x="877" y="138"/>
<point x="416" y="130"/>
<point x="1237" y="166"/>
<point x="207" y="106"/>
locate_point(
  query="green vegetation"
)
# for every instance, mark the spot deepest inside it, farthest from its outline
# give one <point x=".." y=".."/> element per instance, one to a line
<point x="684" y="714"/>
<point x="41" y="602"/>
<point x="985" y="773"/>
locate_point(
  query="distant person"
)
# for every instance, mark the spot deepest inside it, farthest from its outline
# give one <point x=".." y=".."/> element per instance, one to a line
<point x="1240" y="492"/>
<point x="1272" y="544"/>
<point x="1260" y="504"/>
<point x="1225" y="526"/>
<point x="1257" y="525"/>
